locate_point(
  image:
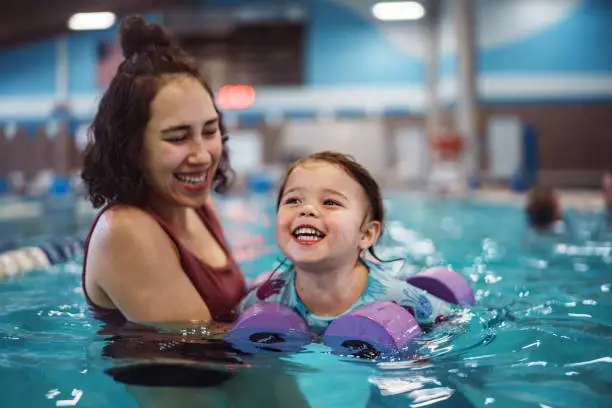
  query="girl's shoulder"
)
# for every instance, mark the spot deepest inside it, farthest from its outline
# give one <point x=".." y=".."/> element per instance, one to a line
<point x="389" y="271"/>
<point x="273" y="289"/>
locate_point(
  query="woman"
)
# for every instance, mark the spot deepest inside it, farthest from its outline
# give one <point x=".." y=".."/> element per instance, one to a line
<point x="156" y="251"/>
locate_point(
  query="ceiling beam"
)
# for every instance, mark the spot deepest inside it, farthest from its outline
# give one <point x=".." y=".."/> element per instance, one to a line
<point x="32" y="20"/>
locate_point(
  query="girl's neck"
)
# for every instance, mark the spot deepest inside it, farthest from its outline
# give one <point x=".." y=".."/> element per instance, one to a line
<point x="332" y="291"/>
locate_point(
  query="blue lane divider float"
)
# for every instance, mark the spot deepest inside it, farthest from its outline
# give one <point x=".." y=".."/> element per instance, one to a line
<point x="60" y="186"/>
<point x="20" y="261"/>
<point x="3" y="186"/>
<point x="260" y="183"/>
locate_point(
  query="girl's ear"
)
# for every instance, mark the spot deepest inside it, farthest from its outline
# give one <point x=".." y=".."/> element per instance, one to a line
<point x="369" y="234"/>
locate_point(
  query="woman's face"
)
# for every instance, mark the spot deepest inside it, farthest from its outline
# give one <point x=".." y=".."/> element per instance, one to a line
<point x="182" y="143"/>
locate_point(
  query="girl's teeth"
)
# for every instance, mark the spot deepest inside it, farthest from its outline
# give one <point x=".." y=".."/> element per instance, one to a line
<point x="308" y="238"/>
<point x="306" y="232"/>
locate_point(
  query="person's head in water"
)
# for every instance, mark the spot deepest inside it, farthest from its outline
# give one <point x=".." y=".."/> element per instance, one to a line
<point x="543" y="208"/>
<point x="158" y="136"/>
<point x="329" y="210"/>
<point x="606" y="189"/>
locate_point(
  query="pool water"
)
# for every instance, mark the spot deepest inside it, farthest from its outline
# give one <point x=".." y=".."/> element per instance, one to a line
<point x="539" y="335"/>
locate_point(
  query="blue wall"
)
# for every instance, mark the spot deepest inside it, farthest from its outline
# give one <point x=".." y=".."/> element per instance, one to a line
<point x="30" y="70"/>
<point x="344" y="48"/>
<point x="351" y="47"/>
<point x="347" y="47"/>
<point x="577" y="43"/>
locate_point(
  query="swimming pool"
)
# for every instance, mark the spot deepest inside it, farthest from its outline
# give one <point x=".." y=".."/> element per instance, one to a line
<point x="538" y="337"/>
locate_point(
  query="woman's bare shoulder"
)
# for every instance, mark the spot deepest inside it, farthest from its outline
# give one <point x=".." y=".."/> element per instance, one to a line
<point x="135" y="263"/>
<point x="129" y="229"/>
<point x="126" y="215"/>
<point x="124" y="222"/>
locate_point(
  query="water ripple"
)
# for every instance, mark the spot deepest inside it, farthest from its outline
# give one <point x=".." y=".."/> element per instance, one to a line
<point x="538" y="336"/>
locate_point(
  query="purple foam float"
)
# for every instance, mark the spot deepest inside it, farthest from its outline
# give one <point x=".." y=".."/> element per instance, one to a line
<point x="445" y="284"/>
<point x="380" y="327"/>
<point x="269" y="327"/>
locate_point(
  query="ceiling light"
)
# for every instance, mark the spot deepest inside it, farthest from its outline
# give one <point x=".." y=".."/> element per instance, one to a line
<point x="91" y="21"/>
<point x="398" y="10"/>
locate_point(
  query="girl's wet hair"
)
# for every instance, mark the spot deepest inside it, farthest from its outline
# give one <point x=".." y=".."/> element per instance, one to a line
<point x="359" y="173"/>
<point x="113" y="161"/>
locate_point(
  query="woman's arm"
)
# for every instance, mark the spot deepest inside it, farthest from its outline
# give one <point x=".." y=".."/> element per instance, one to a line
<point x="136" y="265"/>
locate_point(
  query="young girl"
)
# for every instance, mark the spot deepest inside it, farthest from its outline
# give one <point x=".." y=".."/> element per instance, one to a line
<point x="329" y="213"/>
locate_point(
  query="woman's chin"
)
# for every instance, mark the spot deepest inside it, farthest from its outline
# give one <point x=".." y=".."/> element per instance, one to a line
<point x="191" y="198"/>
<point x="180" y="200"/>
<point x="193" y="202"/>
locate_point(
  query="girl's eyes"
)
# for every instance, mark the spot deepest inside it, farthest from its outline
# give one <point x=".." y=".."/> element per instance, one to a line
<point x="291" y="200"/>
<point x="327" y="202"/>
<point x="330" y="202"/>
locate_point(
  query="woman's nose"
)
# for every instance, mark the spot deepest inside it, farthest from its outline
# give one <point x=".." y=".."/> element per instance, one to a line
<point x="199" y="154"/>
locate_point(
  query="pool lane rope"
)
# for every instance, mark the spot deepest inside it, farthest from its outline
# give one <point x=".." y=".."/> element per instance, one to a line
<point x="21" y="261"/>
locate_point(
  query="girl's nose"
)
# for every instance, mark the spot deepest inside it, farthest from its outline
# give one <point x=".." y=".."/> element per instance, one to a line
<point x="308" y="210"/>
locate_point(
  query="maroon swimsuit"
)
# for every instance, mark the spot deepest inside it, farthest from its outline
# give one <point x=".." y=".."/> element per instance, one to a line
<point x="220" y="288"/>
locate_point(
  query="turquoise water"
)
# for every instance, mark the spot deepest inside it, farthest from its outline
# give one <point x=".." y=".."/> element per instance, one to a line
<point x="538" y="337"/>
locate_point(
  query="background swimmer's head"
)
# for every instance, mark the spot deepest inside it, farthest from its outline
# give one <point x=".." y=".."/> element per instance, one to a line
<point x="371" y="189"/>
<point x="606" y="187"/>
<point x="543" y="208"/>
<point x="113" y="168"/>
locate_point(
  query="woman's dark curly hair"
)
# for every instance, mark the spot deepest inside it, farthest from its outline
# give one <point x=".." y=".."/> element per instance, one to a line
<point x="112" y="168"/>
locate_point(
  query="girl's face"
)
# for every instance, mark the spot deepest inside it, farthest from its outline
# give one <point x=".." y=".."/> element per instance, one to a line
<point x="182" y="144"/>
<point x="322" y="221"/>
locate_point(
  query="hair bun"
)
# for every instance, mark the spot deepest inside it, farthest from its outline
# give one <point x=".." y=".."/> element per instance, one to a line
<point x="137" y="35"/>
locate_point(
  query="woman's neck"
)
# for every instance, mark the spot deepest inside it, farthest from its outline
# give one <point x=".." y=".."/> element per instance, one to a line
<point x="333" y="291"/>
<point x="175" y="216"/>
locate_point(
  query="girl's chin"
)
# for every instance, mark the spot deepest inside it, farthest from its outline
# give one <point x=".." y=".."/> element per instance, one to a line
<point x="306" y="256"/>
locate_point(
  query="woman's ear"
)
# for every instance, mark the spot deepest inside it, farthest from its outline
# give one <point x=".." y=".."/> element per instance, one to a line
<point x="369" y="234"/>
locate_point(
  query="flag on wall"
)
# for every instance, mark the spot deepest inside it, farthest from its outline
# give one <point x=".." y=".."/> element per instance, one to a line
<point x="109" y="58"/>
